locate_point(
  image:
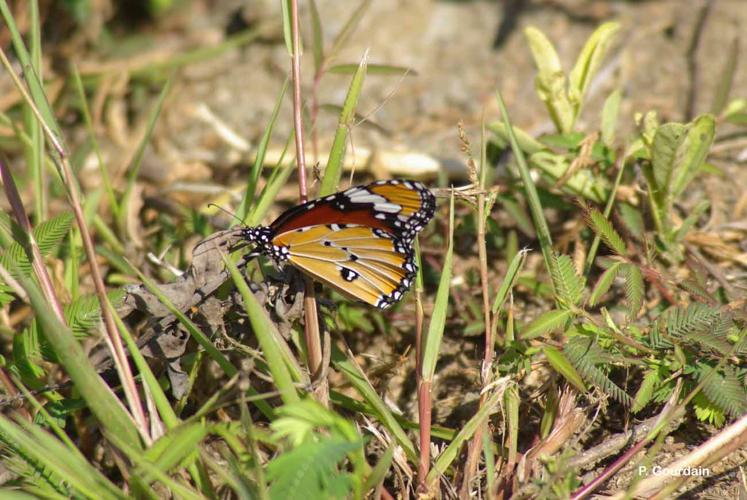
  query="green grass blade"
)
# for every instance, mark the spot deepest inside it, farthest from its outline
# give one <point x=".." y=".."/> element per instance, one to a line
<point x="108" y="410"/>
<point x="540" y="223"/>
<point x="251" y="183"/>
<point x="264" y="330"/>
<point x="347" y="30"/>
<point x="270" y="192"/>
<point x="352" y="372"/>
<point x="432" y="341"/>
<point x="112" y="197"/>
<point x="333" y="170"/>
<point x="36" y="89"/>
<point x="317" y="37"/>
<point x="137" y="160"/>
<point x="517" y="263"/>
<point x="42" y="449"/>
<point x="372" y="69"/>
<point x="446" y="457"/>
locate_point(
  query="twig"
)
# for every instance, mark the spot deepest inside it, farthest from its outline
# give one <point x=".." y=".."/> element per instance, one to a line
<point x="311" y="320"/>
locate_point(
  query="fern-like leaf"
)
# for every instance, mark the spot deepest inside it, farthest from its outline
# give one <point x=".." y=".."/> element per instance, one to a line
<point x="48" y="236"/>
<point x="569" y="286"/>
<point x="724" y="389"/>
<point x="603" y="228"/>
<point x="702" y="325"/>
<point x="634" y="289"/>
<point x="645" y="391"/>
<point x="584" y="353"/>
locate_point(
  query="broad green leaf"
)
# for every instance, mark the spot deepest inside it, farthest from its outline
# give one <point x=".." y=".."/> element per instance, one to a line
<point x="550" y="81"/>
<point x="609" y="117"/>
<point x="561" y="365"/>
<point x="694" y="150"/>
<point x="667" y="141"/>
<point x="585" y="183"/>
<point x="311" y="471"/>
<point x="589" y="60"/>
<point x="546" y="323"/>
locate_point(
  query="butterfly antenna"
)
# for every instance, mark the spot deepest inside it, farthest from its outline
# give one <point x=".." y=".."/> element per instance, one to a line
<point x="227" y="212"/>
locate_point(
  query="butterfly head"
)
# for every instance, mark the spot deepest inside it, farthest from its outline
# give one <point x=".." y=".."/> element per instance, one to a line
<point x="262" y="237"/>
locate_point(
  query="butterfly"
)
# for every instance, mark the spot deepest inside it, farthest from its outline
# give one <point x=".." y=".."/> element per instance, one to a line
<point x="358" y="241"/>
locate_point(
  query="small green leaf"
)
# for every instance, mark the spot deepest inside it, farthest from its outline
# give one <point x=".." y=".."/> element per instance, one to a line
<point x="550" y="81"/>
<point x="634" y="289"/>
<point x="546" y="323"/>
<point x="645" y="391"/>
<point x="668" y="139"/>
<point x="603" y="228"/>
<point x="569" y="286"/>
<point x="604" y="283"/>
<point x="561" y="365"/>
<point x="632" y="219"/>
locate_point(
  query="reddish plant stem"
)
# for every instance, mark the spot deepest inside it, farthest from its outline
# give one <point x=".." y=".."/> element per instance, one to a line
<point x="311" y="321"/>
<point x="424" y="425"/>
<point x="424" y="394"/>
<point x="475" y="446"/>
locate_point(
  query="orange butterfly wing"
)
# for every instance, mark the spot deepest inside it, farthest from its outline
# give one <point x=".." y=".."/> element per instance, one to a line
<point x="358" y="261"/>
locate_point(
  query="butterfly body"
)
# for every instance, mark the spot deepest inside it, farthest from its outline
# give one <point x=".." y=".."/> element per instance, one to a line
<point x="358" y="241"/>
